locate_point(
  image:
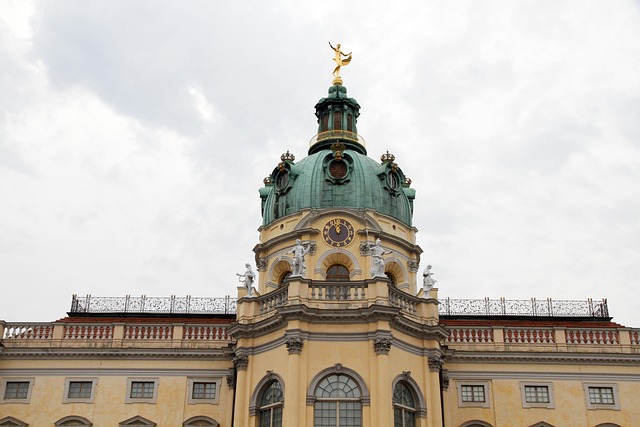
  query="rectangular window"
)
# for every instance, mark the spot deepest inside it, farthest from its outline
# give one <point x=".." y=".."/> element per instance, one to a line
<point x="601" y="396"/>
<point x="472" y="393"/>
<point x="337" y="120"/>
<point x="142" y="389"/>
<point x="80" y="389"/>
<point x="16" y="390"/>
<point x="203" y="390"/>
<point x="536" y="394"/>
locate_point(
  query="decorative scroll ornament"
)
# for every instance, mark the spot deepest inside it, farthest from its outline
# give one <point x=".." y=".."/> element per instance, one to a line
<point x="382" y="345"/>
<point x="413" y="265"/>
<point x="444" y="379"/>
<point x="294" y="345"/>
<point x="338" y="148"/>
<point x="231" y="381"/>
<point x="435" y="363"/>
<point x="241" y="362"/>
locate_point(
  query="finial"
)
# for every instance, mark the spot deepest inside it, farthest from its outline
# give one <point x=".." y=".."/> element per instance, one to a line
<point x="387" y="157"/>
<point x="287" y="157"/>
<point x="340" y="61"/>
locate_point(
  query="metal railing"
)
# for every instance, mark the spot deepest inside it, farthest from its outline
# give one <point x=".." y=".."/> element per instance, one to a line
<point x="338" y="135"/>
<point x="533" y="307"/>
<point x="161" y="305"/>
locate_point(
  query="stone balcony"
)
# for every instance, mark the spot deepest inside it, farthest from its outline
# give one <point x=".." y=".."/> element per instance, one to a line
<point x="347" y="295"/>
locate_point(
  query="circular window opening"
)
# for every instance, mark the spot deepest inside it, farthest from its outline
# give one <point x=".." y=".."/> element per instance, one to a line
<point x="393" y="181"/>
<point x="338" y="169"/>
<point x="282" y="179"/>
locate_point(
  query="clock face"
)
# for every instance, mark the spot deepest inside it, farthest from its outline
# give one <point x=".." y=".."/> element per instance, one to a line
<point x="338" y="232"/>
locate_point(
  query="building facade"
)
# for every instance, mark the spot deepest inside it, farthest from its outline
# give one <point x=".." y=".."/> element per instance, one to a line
<point x="334" y="329"/>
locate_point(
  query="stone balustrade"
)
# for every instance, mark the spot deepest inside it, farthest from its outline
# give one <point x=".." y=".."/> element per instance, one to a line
<point x="347" y="291"/>
<point x="562" y="338"/>
<point x="470" y="335"/>
<point x="591" y="336"/>
<point x="114" y="335"/>
<point x="88" y="332"/>
<point x="403" y="300"/>
<point x="529" y="336"/>
<point x="148" y="332"/>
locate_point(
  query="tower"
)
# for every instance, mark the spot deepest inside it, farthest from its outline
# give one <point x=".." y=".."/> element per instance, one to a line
<point x="338" y="327"/>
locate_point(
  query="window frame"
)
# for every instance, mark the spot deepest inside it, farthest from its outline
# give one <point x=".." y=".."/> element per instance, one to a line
<point x="152" y="399"/>
<point x="3" y="389"/>
<point x="270" y="408"/>
<point x="593" y="406"/>
<point x="523" y="394"/>
<point x="191" y="381"/>
<point x="67" y="389"/>
<point x="477" y="404"/>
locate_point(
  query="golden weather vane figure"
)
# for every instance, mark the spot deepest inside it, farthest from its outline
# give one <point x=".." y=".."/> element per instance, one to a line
<point x="341" y="59"/>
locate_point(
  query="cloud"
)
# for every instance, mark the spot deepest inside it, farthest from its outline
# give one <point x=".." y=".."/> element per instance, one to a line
<point x="134" y="137"/>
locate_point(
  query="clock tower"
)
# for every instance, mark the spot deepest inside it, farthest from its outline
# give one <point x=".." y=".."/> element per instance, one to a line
<point x="338" y="331"/>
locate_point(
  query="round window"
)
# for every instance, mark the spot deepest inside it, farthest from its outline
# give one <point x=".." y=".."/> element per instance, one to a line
<point x="282" y="179"/>
<point x="338" y="169"/>
<point x="393" y="180"/>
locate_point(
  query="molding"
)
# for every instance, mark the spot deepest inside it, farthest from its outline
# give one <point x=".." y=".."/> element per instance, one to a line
<point x="551" y="404"/>
<point x="117" y="353"/>
<point x="217" y="381"/>
<point x="154" y="397"/>
<point x="543" y="358"/>
<point x="541" y="376"/>
<point x="102" y="372"/>
<point x="92" y="393"/>
<point x="486" y="403"/>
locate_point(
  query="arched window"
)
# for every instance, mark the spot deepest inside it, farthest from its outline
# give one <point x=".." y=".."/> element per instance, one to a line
<point x="404" y="406"/>
<point x="337" y="402"/>
<point x="73" y="421"/>
<point x="270" y="406"/>
<point x="200" y="421"/>
<point x="338" y="273"/>
<point x="283" y="277"/>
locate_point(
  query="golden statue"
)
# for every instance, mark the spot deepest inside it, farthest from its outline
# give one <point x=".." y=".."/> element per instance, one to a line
<point x="340" y="61"/>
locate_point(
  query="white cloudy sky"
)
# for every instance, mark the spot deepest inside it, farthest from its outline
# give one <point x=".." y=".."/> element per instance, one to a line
<point x="134" y="137"/>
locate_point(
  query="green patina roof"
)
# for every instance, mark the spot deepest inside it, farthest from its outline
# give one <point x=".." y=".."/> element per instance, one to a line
<point x="310" y="185"/>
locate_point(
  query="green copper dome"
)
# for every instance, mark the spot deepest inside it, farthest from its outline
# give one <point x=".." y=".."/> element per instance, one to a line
<point x="337" y="173"/>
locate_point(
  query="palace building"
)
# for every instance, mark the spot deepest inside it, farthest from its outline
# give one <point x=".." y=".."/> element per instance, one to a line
<point x="335" y="327"/>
